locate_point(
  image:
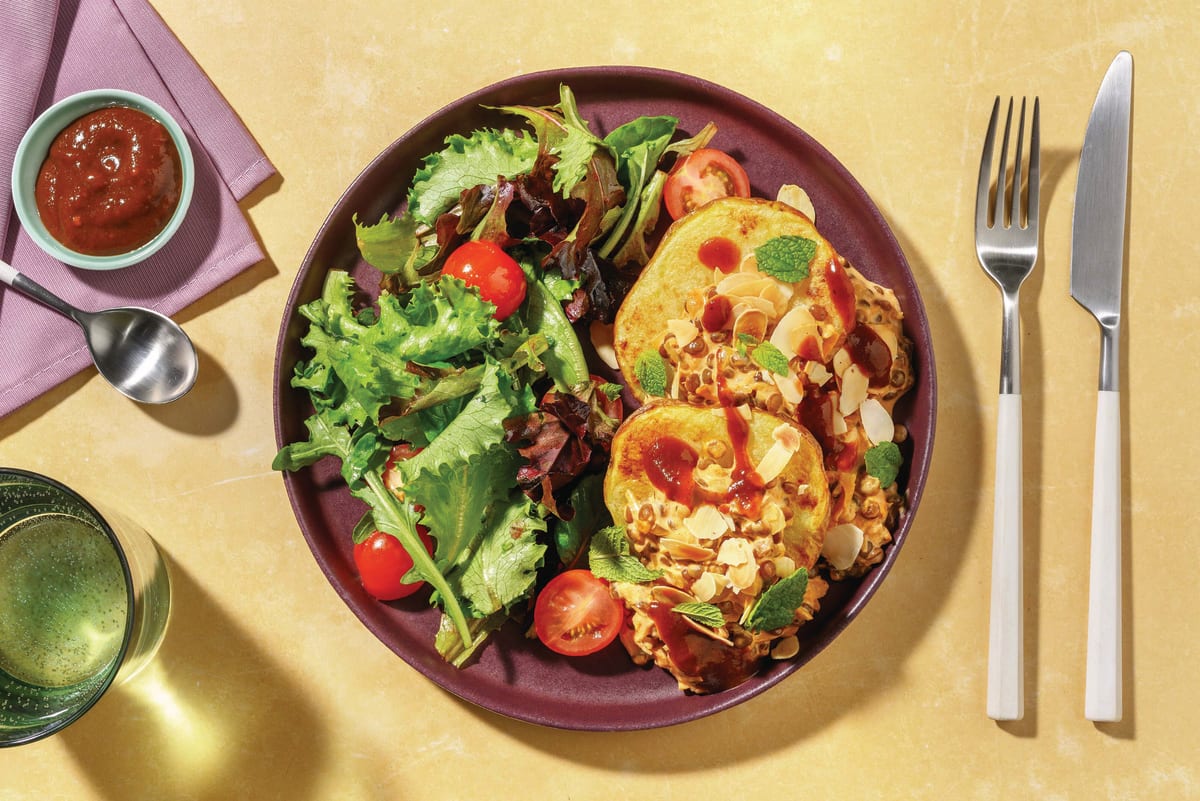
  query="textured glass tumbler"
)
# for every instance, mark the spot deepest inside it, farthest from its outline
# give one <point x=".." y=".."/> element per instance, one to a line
<point x="84" y="604"/>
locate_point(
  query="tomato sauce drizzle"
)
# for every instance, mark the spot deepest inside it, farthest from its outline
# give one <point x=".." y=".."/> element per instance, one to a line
<point x="718" y="666"/>
<point x="720" y="253"/>
<point x="841" y="292"/>
<point x="872" y="355"/>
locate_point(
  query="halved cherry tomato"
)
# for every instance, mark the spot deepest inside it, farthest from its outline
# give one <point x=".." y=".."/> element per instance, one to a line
<point x="576" y="614"/>
<point x="497" y="275"/>
<point x="703" y="175"/>
<point x="382" y="562"/>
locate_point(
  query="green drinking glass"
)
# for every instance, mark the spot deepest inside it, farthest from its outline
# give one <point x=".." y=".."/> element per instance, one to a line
<point x="84" y="603"/>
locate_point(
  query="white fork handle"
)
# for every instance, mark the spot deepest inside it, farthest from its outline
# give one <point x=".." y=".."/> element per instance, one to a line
<point x="1006" y="646"/>
<point x="1102" y="701"/>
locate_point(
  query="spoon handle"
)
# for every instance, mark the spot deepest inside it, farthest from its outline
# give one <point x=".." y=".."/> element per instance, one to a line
<point x="27" y="286"/>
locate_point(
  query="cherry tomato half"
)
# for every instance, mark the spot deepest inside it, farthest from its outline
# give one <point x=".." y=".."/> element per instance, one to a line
<point x="497" y="275"/>
<point x="382" y="562"/>
<point x="703" y="175"/>
<point x="576" y="614"/>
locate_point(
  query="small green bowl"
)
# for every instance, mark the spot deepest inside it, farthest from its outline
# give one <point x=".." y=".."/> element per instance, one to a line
<point x="31" y="153"/>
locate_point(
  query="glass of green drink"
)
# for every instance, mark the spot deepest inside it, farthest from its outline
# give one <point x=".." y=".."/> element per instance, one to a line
<point x="84" y="604"/>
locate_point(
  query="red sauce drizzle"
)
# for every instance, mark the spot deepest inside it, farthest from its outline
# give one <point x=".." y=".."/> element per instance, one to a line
<point x="716" y="665"/>
<point x="868" y="350"/>
<point x="720" y="253"/>
<point x="816" y="414"/>
<point x="716" y="314"/>
<point x="669" y="462"/>
<point x="841" y="292"/>
<point x="746" y="489"/>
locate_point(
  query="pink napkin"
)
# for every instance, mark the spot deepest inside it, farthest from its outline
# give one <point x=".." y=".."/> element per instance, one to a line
<point x="51" y="49"/>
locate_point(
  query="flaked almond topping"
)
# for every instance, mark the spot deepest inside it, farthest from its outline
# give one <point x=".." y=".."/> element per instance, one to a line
<point x="684" y="331"/>
<point x="786" y="648"/>
<point x="750" y="321"/>
<point x="793" y="328"/>
<point x="744" y="284"/>
<point x="686" y="550"/>
<point x="841" y="361"/>
<point x="708" y="586"/>
<point x="789" y="387"/>
<point x="817" y="373"/>
<point x="798" y="199"/>
<point x="842" y="545"/>
<point x="854" y="390"/>
<point x="839" y="426"/>
<point x="786" y="441"/>
<point x="755" y="303"/>
<point x="706" y="522"/>
<point x="602" y="341"/>
<point x="773" y="517"/>
<point x="876" y="421"/>
<point x="743" y="577"/>
<point x="735" y="552"/>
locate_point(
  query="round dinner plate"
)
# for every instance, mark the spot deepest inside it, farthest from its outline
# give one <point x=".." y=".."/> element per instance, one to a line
<point x="513" y="675"/>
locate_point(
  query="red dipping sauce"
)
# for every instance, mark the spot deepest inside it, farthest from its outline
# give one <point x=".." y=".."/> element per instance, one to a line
<point x="110" y="182"/>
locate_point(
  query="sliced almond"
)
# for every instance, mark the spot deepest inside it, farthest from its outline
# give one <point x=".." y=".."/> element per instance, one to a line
<point x="680" y="549"/>
<point x="752" y="322"/>
<point x="602" y="341"/>
<point x="842" y="545"/>
<point x="817" y="373"/>
<point x="786" y="441"/>
<point x="793" y="328"/>
<point x="841" y="361"/>
<point x="708" y="586"/>
<point x="684" y="331"/>
<point x="789" y="387"/>
<point x="798" y="199"/>
<point x="743" y="577"/>
<point x="706" y="522"/>
<point x="786" y="648"/>
<point x="735" y="552"/>
<point x="876" y="421"/>
<point x="854" y="390"/>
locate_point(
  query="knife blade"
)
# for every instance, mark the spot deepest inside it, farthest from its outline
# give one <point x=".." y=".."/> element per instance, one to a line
<point x="1097" y="275"/>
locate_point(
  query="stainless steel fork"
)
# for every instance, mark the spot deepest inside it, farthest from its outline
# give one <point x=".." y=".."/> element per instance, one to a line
<point x="1006" y="241"/>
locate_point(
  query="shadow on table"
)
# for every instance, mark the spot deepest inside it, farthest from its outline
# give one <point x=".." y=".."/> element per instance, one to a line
<point x="210" y="719"/>
<point x="868" y="658"/>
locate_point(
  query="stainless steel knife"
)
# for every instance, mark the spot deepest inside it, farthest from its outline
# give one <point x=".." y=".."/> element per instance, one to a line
<point x="1097" y="273"/>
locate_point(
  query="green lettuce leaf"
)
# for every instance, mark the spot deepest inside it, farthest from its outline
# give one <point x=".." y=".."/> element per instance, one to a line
<point x="501" y="569"/>
<point x="467" y="162"/>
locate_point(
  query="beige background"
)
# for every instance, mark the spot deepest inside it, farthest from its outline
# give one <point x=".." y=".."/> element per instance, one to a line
<point x="269" y="688"/>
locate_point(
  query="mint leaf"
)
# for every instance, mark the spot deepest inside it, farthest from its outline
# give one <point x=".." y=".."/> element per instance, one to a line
<point x="609" y="558"/>
<point x="651" y="372"/>
<point x="467" y="162"/>
<point x="769" y="357"/>
<point x="786" y="257"/>
<point x="777" y="606"/>
<point x="703" y="613"/>
<point x="883" y="462"/>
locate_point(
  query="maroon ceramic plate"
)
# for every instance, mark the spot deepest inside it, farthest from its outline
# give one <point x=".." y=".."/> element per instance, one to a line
<point x="514" y="676"/>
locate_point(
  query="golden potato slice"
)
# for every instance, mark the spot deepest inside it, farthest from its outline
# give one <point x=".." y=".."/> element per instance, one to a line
<point x="760" y="470"/>
<point x="725" y="234"/>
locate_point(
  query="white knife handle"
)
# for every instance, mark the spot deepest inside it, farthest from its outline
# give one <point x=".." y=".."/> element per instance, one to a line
<point x="1006" y="647"/>
<point x="1102" y="700"/>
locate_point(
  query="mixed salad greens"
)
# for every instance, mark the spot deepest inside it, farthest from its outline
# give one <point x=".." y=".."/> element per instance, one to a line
<point x="460" y="401"/>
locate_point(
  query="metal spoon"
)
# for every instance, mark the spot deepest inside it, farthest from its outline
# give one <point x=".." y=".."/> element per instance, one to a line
<point x="142" y="353"/>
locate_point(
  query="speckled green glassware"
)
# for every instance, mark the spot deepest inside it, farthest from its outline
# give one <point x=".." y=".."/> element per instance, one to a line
<point x="84" y="603"/>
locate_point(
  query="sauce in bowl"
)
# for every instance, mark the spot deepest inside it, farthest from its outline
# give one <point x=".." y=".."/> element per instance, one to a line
<point x="110" y="183"/>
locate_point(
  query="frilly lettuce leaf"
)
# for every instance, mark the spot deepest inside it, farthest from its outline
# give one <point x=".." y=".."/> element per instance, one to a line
<point x="466" y="162"/>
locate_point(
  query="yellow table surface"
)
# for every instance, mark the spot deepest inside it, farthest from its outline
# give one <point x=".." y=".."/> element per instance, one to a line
<point x="268" y="687"/>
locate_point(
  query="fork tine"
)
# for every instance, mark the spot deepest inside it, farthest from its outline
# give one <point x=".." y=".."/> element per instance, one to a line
<point x="983" y="192"/>
<point x="1015" y="207"/>
<point x="1002" y="171"/>
<point x="1035" y="169"/>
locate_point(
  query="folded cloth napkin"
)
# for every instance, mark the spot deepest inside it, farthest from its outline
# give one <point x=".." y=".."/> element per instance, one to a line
<point x="50" y="50"/>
